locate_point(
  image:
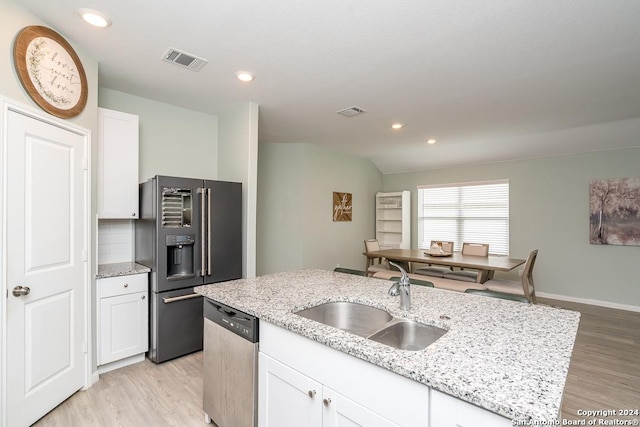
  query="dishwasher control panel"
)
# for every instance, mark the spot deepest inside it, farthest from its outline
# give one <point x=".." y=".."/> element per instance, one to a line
<point x="236" y="326"/>
<point x="236" y="321"/>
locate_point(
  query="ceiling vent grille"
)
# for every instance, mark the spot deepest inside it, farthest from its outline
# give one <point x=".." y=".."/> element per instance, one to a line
<point x="183" y="59"/>
<point x="352" y="111"/>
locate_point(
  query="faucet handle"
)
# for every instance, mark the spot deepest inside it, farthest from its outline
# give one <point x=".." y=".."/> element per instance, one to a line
<point x="394" y="290"/>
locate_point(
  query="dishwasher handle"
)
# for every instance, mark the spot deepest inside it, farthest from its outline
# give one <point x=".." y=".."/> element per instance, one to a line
<point x="220" y="309"/>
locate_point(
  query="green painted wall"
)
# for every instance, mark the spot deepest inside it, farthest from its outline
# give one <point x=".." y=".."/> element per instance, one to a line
<point x="295" y="197"/>
<point x="238" y="162"/>
<point x="174" y="141"/>
<point x="549" y="211"/>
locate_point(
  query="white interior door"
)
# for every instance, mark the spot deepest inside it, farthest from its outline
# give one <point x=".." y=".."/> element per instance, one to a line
<point x="45" y="258"/>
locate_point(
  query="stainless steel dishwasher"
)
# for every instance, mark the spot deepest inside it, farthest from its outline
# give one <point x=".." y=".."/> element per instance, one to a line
<point x="230" y="371"/>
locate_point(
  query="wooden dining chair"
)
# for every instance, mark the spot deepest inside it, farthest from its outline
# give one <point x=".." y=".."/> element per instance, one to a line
<point x="474" y="249"/>
<point x="374" y="264"/>
<point x="524" y="286"/>
<point x="434" y="270"/>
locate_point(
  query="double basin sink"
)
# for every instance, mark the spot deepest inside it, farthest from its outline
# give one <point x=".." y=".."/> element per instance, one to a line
<point x="375" y="324"/>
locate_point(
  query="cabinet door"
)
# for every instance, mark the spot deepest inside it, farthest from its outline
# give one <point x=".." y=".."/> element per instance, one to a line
<point x="287" y="397"/>
<point x="340" y="411"/>
<point x="124" y="321"/>
<point x="117" y="164"/>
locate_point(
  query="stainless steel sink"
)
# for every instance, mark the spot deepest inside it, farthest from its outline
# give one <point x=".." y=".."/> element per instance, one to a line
<point x="408" y="335"/>
<point x="374" y="324"/>
<point x="356" y="318"/>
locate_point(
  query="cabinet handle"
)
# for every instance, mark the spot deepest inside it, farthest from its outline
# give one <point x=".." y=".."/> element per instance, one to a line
<point x="311" y="393"/>
<point x="133" y="214"/>
<point x="143" y="297"/>
<point x="126" y="285"/>
<point x="326" y="401"/>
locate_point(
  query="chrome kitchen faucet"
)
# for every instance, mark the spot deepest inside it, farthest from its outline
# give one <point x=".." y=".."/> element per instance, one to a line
<point x="402" y="288"/>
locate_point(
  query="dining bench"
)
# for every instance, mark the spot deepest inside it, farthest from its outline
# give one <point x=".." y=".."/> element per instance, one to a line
<point x="438" y="282"/>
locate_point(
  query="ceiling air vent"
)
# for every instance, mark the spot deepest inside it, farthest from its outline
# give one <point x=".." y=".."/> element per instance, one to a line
<point x="184" y="59"/>
<point x="352" y="111"/>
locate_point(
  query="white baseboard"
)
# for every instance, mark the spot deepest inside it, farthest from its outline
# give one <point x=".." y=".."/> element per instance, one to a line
<point x="590" y="302"/>
<point x="103" y="369"/>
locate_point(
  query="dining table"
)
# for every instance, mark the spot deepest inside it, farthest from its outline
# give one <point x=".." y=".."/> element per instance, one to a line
<point x="487" y="265"/>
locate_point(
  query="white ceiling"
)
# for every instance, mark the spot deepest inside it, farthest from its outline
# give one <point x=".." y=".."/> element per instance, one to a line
<point x="492" y="80"/>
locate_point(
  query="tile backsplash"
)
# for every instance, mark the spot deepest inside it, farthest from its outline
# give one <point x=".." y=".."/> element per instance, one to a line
<point x="115" y="241"/>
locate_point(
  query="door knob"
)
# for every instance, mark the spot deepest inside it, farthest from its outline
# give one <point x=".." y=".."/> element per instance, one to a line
<point x="19" y="291"/>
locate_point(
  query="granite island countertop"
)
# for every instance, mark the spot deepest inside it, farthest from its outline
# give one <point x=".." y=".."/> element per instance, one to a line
<point x="120" y="269"/>
<point x="508" y="357"/>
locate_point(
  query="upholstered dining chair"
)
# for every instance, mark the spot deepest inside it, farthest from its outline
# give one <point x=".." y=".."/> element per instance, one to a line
<point x="436" y="270"/>
<point x="374" y="264"/>
<point x="475" y="249"/>
<point x="522" y="287"/>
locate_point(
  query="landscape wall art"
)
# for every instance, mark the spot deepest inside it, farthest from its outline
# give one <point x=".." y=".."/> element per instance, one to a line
<point x="614" y="211"/>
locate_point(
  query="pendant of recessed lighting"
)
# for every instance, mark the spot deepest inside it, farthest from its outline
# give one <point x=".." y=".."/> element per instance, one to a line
<point x="95" y="18"/>
<point x="245" y="76"/>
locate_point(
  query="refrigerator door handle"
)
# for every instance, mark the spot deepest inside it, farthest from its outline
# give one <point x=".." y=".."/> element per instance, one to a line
<point x="180" y="298"/>
<point x="202" y="232"/>
<point x="209" y="272"/>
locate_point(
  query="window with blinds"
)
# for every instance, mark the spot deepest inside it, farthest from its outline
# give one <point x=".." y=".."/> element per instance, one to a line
<point x="474" y="212"/>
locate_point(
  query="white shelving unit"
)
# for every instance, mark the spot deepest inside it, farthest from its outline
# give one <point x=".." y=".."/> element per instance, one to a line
<point x="393" y="220"/>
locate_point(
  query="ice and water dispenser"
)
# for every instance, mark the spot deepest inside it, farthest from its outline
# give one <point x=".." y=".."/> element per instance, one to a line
<point x="180" y="256"/>
<point x="177" y="214"/>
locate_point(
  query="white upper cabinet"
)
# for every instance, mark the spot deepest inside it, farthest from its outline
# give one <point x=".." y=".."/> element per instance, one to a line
<point x="117" y="165"/>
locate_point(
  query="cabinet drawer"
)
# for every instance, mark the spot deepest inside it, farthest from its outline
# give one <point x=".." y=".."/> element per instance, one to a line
<point x="122" y="285"/>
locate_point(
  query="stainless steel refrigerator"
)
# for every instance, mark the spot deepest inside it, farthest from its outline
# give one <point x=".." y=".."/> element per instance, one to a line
<point x="189" y="234"/>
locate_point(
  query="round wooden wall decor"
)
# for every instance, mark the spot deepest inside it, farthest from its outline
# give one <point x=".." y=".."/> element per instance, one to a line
<point x="50" y="71"/>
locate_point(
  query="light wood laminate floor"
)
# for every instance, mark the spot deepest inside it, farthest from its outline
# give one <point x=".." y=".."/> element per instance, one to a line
<point x="138" y="395"/>
<point x="604" y="374"/>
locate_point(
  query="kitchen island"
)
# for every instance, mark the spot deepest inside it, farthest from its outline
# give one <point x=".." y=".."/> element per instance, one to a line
<point x="507" y="357"/>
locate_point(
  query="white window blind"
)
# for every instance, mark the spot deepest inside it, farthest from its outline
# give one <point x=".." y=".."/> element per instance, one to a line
<point x="474" y="212"/>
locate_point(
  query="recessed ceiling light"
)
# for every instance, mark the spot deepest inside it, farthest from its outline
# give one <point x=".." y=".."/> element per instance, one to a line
<point x="396" y="126"/>
<point x="245" y="76"/>
<point x="95" y="18"/>
<point x="431" y="141"/>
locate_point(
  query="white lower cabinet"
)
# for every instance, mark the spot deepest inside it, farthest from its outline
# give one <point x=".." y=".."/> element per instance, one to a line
<point x="304" y="383"/>
<point x="123" y="320"/>
<point x="291" y="398"/>
<point x="287" y="397"/>
<point x="340" y="411"/>
<point x="308" y="384"/>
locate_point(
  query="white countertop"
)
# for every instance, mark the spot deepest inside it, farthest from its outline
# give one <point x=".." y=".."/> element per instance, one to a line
<point x="508" y="357"/>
